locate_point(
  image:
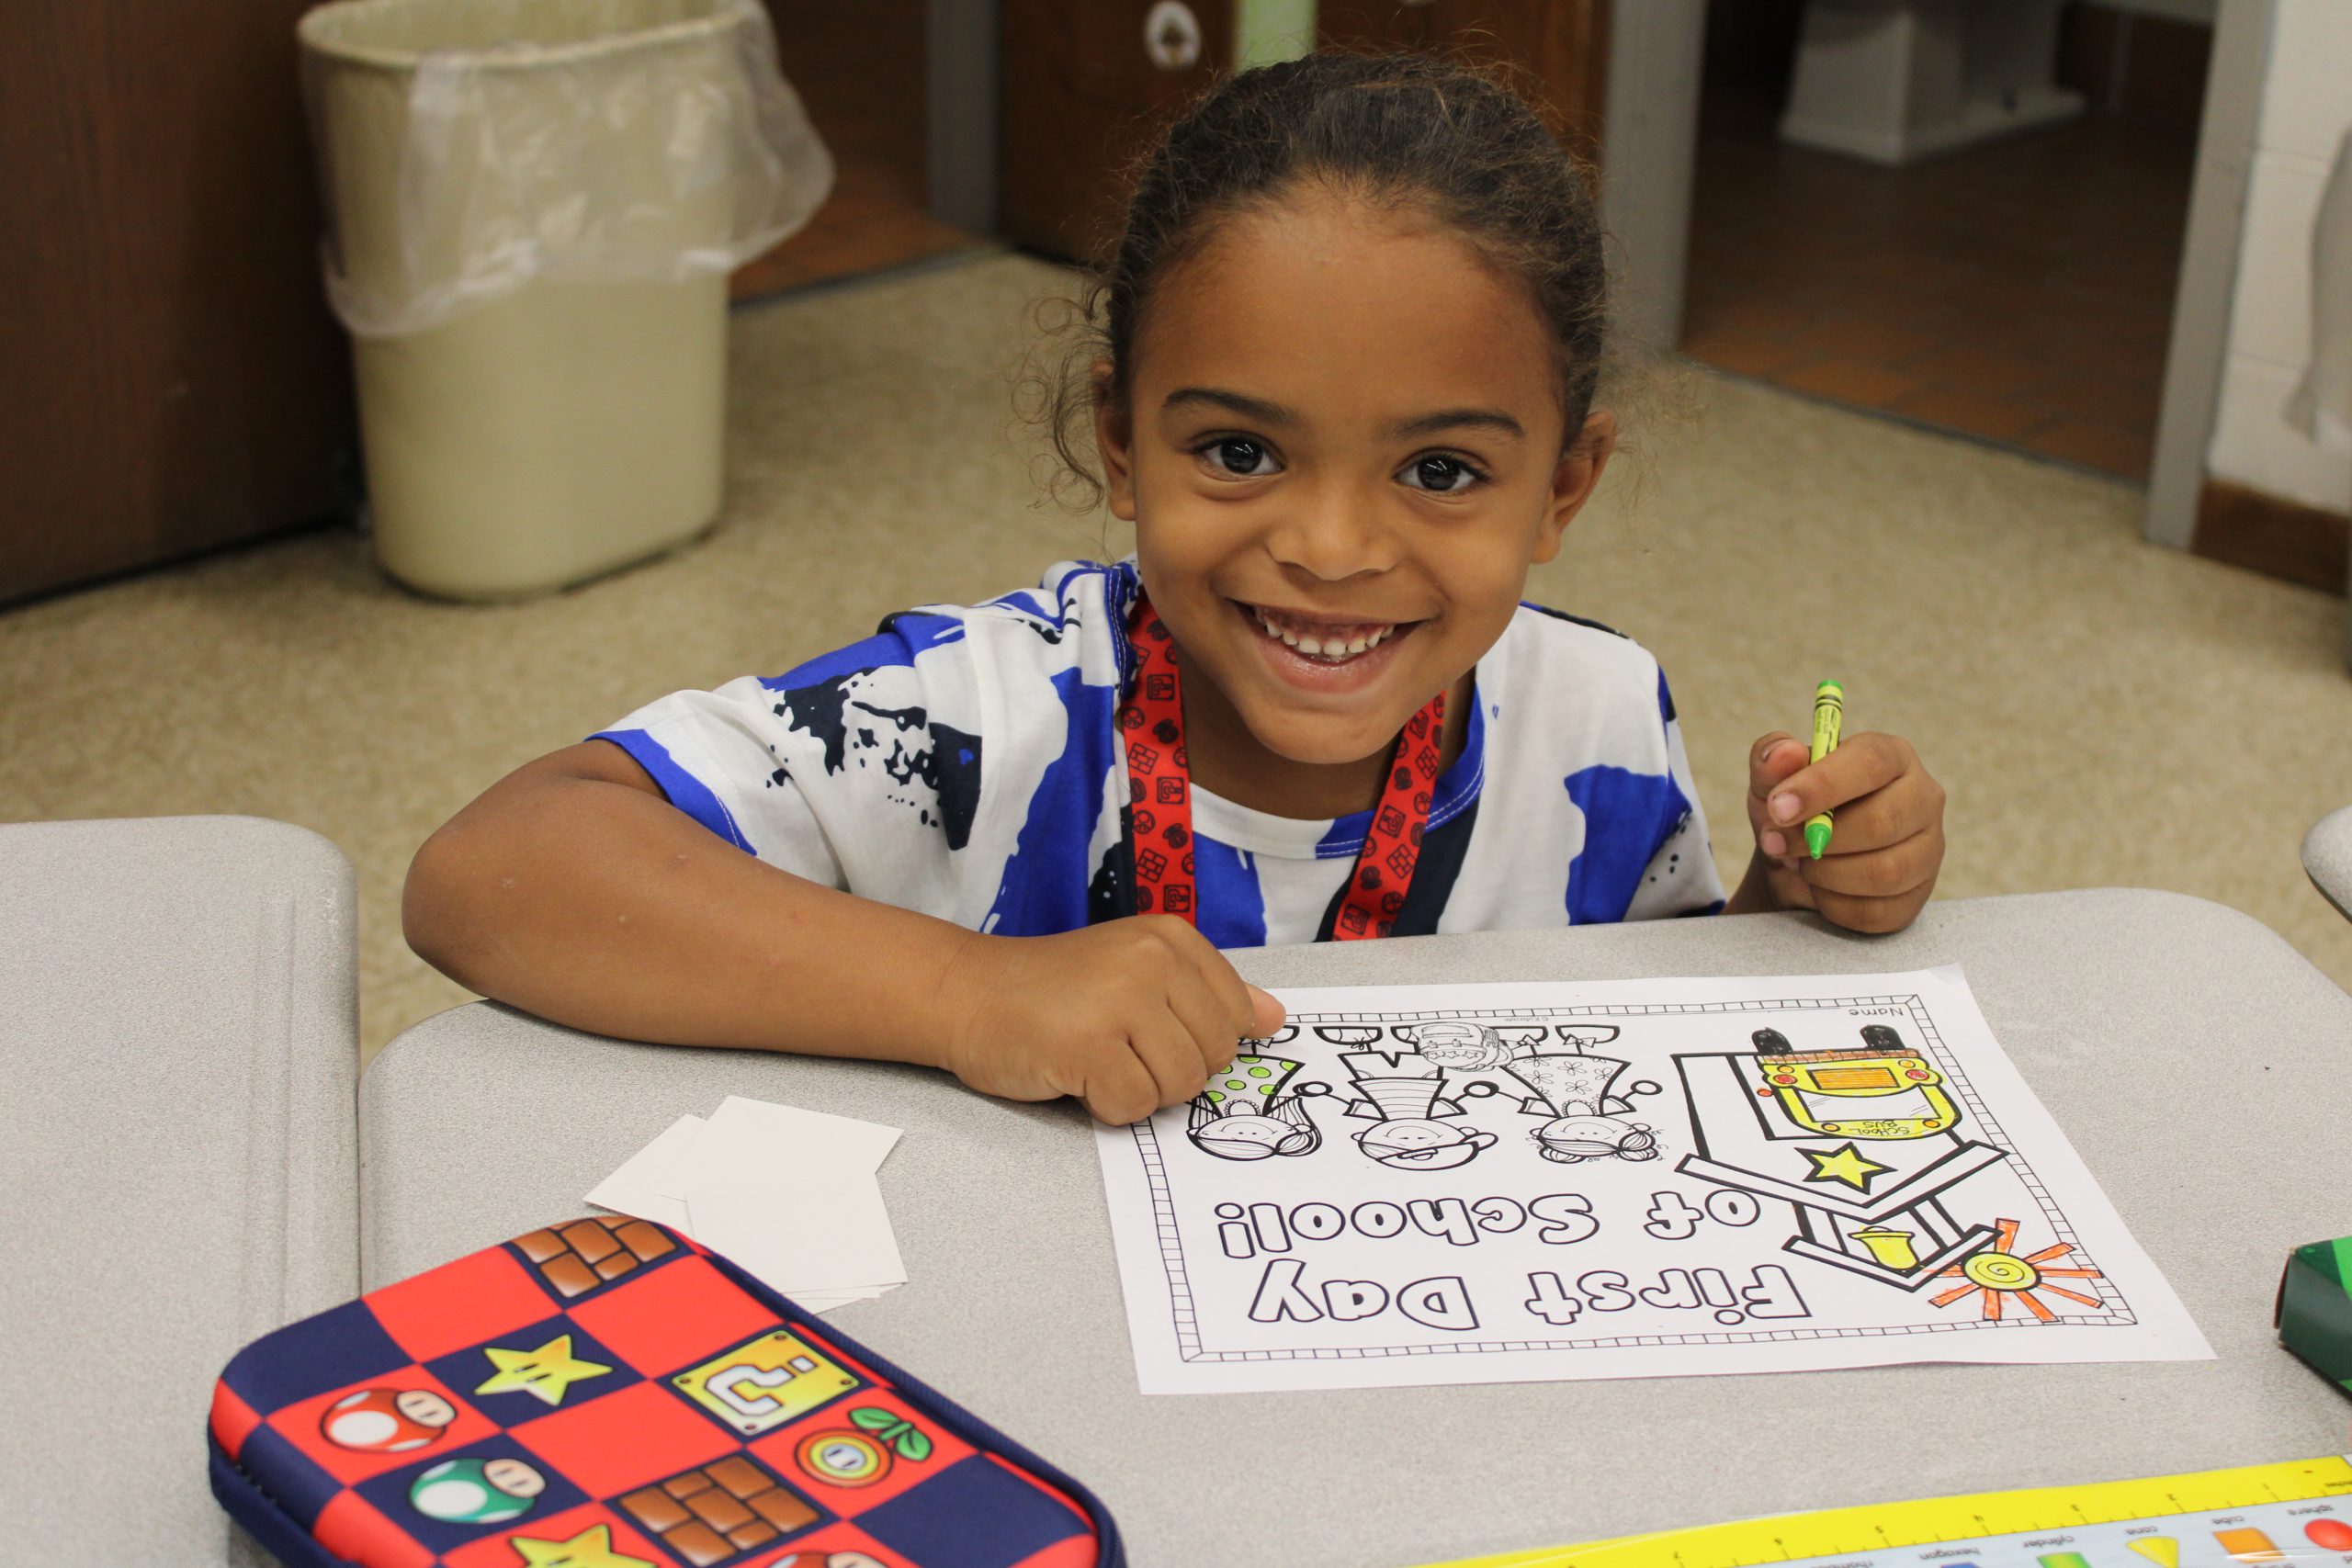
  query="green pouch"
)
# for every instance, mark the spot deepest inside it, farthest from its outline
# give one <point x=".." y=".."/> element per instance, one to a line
<point x="2314" y="1312"/>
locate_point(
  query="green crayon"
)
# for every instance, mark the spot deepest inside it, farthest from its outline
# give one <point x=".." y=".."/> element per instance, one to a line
<point x="1828" y="722"/>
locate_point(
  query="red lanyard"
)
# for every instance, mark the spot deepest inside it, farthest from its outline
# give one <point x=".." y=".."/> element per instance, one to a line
<point x="1160" y="799"/>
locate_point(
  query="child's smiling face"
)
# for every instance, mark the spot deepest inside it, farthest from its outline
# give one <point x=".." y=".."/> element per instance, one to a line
<point x="1344" y="454"/>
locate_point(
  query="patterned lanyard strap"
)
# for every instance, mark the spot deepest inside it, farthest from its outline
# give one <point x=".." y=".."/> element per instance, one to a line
<point x="1160" y="799"/>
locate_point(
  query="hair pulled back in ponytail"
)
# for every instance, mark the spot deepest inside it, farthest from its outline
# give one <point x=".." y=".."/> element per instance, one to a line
<point x="1440" y="140"/>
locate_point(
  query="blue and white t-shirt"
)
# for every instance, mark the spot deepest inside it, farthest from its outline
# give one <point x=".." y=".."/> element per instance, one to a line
<point x="965" y="761"/>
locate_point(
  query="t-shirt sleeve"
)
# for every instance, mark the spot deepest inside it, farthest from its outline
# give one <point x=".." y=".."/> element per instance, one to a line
<point x="1680" y="877"/>
<point x="860" y="770"/>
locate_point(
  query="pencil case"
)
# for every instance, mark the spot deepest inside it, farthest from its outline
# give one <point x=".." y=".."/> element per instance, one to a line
<point x="2314" y="1314"/>
<point x="605" y="1393"/>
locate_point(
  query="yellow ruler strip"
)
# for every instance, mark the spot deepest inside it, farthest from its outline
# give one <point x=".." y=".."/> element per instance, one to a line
<point x="1888" y="1526"/>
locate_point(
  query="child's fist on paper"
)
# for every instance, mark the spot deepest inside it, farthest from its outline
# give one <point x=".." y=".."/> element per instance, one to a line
<point x="1128" y="1016"/>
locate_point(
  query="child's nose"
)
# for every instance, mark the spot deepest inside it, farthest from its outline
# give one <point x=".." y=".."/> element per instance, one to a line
<point x="1331" y="532"/>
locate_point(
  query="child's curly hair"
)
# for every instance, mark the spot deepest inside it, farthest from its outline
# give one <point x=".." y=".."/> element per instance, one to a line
<point x="1455" y="141"/>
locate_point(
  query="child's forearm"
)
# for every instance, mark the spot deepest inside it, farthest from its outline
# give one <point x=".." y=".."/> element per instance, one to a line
<point x="591" y="901"/>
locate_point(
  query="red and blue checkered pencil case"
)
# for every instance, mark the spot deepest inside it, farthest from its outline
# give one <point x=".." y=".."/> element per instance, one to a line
<point x="604" y="1394"/>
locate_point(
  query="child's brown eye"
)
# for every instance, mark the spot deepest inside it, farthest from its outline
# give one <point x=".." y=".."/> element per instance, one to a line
<point x="1237" y="455"/>
<point x="1439" y="474"/>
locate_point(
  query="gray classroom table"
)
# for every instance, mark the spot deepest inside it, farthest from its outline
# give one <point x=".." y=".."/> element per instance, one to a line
<point x="2197" y="1060"/>
<point x="179" y="1042"/>
<point x="2327" y="856"/>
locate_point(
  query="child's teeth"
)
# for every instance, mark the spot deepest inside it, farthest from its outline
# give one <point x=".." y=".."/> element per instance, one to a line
<point x="1324" y="647"/>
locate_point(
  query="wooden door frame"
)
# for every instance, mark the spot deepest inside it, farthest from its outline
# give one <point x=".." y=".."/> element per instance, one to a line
<point x="960" y="98"/>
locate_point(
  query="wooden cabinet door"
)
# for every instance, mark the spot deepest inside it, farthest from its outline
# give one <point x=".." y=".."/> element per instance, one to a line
<point x="170" y="377"/>
<point x="1564" y="42"/>
<point x="1082" y="98"/>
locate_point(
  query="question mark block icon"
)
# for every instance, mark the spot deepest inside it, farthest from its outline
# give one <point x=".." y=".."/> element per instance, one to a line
<point x="764" y="1382"/>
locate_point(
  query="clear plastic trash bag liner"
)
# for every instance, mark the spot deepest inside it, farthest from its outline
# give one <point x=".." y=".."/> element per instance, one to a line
<point x="471" y="147"/>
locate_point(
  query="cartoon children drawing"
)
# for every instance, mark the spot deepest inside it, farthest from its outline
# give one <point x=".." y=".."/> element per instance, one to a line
<point x="1586" y="1120"/>
<point x="1410" y="1104"/>
<point x="1464" y="1047"/>
<point x="1245" y="1112"/>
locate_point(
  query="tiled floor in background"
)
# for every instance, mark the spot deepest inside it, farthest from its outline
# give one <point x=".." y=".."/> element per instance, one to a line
<point x="2021" y="292"/>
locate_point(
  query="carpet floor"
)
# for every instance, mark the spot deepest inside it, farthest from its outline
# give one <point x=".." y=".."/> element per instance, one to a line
<point x="2104" y="713"/>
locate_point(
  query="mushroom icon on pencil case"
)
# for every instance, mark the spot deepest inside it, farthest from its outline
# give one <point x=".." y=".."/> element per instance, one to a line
<point x="477" y="1491"/>
<point x="386" y="1420"/>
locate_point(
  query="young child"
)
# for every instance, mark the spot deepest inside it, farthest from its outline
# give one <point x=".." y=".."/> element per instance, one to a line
<point x="1344" y="391"/>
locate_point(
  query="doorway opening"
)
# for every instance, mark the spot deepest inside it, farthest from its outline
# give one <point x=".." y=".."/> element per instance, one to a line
<point x="2019" y="290"/>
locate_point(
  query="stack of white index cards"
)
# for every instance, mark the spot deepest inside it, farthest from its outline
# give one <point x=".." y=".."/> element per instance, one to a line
<point x="787" y="1195"/>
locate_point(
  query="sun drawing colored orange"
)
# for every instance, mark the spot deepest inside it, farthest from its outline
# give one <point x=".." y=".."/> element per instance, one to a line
<point x="1998" y="1273"/>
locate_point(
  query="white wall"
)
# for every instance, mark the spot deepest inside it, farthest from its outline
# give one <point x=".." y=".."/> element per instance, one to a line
<point x="2306" y="108"/>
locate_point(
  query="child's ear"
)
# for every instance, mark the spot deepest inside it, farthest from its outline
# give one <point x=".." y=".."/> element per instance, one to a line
<point x="1575" y="480"/>
<point x="1114" y="440"/>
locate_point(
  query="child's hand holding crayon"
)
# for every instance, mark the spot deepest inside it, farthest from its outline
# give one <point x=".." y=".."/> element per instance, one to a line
<point x="1881" y="861"/>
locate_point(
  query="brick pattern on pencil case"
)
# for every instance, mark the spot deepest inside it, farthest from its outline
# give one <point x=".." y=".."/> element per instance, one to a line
<point x="598" y="1395"/>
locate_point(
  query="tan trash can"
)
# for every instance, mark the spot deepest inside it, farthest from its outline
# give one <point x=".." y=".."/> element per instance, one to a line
<point x="533" y="207"/>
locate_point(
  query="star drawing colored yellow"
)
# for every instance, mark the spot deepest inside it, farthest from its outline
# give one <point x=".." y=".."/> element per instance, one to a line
<point x="1845" y="1164"/>
<point x="546" y="1373"/>
<point x="592" y="1548"/>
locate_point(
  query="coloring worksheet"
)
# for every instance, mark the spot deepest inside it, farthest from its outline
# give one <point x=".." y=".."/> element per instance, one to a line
<point x="1507" y="1183"/>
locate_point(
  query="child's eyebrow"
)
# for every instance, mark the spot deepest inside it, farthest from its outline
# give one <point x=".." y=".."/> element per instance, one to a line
<point x="1264" y="412"/>
<point x="1248" y="407"/>
<point x="1501" y="423"/>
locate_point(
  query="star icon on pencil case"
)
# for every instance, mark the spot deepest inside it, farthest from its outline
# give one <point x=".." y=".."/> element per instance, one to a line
<point x="546" y="1373"/>
<point x="1845" y="1164"/>
<point x="592" y="1548"/>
